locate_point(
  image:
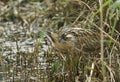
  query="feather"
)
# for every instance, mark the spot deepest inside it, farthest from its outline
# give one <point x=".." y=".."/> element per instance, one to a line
<point x="76" y="40"/>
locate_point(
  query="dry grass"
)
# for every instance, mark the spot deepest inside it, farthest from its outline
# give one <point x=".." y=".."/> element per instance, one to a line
<point x="27" y="56"/>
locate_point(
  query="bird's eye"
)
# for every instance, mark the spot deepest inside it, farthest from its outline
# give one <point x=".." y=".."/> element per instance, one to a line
<point x="62" y="37"/>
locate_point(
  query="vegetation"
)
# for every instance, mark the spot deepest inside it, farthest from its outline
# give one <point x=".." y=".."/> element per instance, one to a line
<point x="28" y="54"/>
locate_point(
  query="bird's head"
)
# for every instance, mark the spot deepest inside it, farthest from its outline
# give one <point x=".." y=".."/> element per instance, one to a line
<point x="60" y="43"/>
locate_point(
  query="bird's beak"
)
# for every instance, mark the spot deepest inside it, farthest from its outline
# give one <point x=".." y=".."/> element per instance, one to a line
<point x="50" y="35"/>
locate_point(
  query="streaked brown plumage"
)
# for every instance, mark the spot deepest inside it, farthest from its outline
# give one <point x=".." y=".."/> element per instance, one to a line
<point x="76" y="40"/>
<point x="75" y="43"/>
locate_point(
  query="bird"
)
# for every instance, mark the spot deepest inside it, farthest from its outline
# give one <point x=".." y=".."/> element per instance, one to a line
<point x="76" y="40"/>
<point x="74" y="44"/>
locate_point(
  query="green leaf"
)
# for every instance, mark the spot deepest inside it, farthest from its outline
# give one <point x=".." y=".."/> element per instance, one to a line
<point x="56" y="66"/>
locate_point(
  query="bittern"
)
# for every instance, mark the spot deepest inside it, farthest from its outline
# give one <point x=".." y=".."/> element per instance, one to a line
<point x="74" y="43"/>
<point x="76" y="40"/>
